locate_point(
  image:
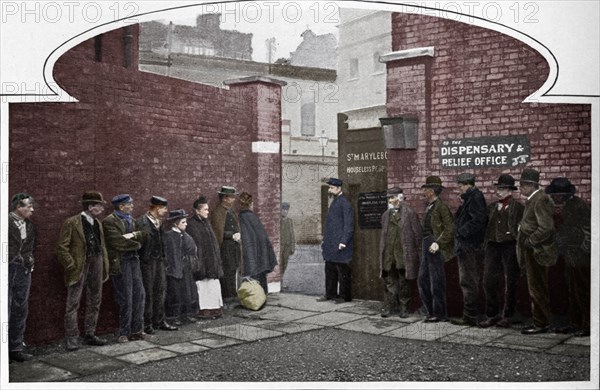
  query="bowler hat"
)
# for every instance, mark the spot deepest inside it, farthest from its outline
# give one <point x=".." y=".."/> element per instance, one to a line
<point x="177" y="214"/>
<point x="433" y="181"/>
<point x="560" y="186"/>
<point x="92" y="197"/>
<point x="466" y="177"/>
<point x="121" y="198"/>
<point x="530" y="176"/>
<point x="226" y="190"/>
<point x="394" y="191"/>
<point x="506" y="181"/>
<point x="334" y="182"/>
<point x="158" y="201"/>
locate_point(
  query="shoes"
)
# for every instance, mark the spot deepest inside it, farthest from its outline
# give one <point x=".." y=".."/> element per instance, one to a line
<point x="19" y="356"/>
<point x="464" y="321"/>
<point x="123" y="339"/>
<point x="489" y="322"/>
<point x="91" y="339"/>
<point x="323" y="299"/>
<point x="504" y="323"/>
<point x="403" y="313"/>
<point x="386" y="313"/>
<point x="340" y="300"/>
<point x="535" y="330"/>
<point x="165" y="326"/>
<point x="582" y="333"/>
<point x="72" y="343"/>
<point x="137" y="336"/>
<point x="433" y="319"/>
<point x="149" y="329"/>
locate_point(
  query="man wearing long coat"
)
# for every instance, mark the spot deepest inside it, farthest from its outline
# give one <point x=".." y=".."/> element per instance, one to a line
<point x="399" y="252"/>
<point x="337" y="245"/>
<point x="536" y="248"/>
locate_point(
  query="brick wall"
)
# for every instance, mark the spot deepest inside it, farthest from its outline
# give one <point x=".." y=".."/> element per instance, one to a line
<point x="137" y="133"/>
<point x="475" y="86"/>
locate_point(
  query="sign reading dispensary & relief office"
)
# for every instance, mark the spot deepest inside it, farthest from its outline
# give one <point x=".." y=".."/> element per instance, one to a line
<point x="479" y="152"/>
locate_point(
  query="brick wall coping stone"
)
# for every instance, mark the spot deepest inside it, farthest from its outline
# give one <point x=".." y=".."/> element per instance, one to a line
<point x="406" y="54"/>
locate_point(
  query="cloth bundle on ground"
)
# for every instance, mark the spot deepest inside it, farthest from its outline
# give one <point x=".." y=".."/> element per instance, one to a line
<point x="251" y="294"/>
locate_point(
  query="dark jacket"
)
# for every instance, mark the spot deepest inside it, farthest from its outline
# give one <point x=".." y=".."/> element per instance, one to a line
<point x="515" y="214"/>
<point x="339" y="228"/>
<point x="209" y="253"/>
<point x="179" y="248"/>
<point x="231" y="251"/>
<point x="537" y="230"/>
<point x="19" y="250"/>
<point x="152" y="249"/>
<point x="411" y="240"/>
<point x="470" y="221"/>
<point x="443" y="228"/>
<point x="116" y="244"/>
<point x="574" y="234"/>
<point x="258" y="253"/>
<point x="71" y="249"/>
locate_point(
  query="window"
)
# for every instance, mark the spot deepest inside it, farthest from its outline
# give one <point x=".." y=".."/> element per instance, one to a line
<point x="307" y="114"/>
<point x="354" y="68"/>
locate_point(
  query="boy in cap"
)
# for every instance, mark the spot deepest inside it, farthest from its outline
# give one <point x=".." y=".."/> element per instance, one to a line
<point x="500" y="259"/>
<point x="573" y="237"/>
<point x="399" y="252"/>
<point x="470" y="222"/>
<point x="536" y="248"/>
<point x="152" y="263"/>
<point x="438" y="244"/>
<point x="337" y="245"/>
<point x="123" y="239"/>
<point x="81" y="250"/>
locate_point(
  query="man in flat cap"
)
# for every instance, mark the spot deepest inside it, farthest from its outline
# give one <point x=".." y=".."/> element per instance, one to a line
<point x="123" y="239"/>
<point x="438" y="245"/>
<point x="573" y="236"/>
<point x="288" y="238"/>
<point x="470" y="222"/>
<point x="536" y="248"/>
<point x="337" y="245"/>
<point x="152" y="263"/>
<point x="81" y="250"/>
<point x="226" y="225"/>
<point x="21" y="245"/>
<point x="500" y="261"/>
<point x="400" y="249"/>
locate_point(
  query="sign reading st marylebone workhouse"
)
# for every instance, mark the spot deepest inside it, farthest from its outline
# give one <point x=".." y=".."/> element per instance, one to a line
<point x="480" y="152"/>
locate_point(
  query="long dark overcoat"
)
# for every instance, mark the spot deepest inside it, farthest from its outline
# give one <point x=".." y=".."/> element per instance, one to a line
<point x="209" y="253"/>
<point x="339" y="228"/>
<point x="257" y="249"/>
<point x="537" y="227"/>
<point x="412" y="240"/>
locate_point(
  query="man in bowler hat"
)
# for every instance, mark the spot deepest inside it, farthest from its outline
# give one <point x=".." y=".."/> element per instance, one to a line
<point x="337" y="245"/>
<point x="573" y="236"/>
<point x="470" y="222"/>
<point x="123" y="239"/>
<point x="226" y="225"/>
<point x="536" y="248"/>
<point x="438" y="245"/>
<point x="500" y="261"/>
<point x="81" y="250"/>
<point x="21" y="244"/>
<point x="152" y="264"/>
<point x="400" y="247"/>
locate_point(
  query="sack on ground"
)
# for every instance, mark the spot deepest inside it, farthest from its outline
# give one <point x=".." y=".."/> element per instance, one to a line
<point x="251" y="294"/>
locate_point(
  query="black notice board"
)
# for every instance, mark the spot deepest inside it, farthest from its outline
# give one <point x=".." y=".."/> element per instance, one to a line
<point x="371" y="206"/>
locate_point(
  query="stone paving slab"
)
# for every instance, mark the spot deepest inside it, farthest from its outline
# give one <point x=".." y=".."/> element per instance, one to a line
<point x="171" y="337"/>
<point x="475" y="336"/>
<point x="147" y="355"/>
<point x="244" y="332"/>
<point x="286" y="327"/>
<point x="37" y="371"/>
<point x="124" y="348"/>
<point x="360" y="307"/>
<point x="330" y="319"/>
<point x="425" y="331"/>
<point x="185" y="348"/>
<point x="585" y="341"/>
<point x="526" y="342"/>
<point x="570" y="349"/>
<point x="303" y="302"/>
<point x="372" y="325"/>
<point x="215" y="341"/>
<point x="277" y="313"/>
<point x="83" y="362"/>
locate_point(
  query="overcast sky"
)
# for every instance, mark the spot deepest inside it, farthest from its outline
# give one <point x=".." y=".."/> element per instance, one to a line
<point x="284" y="21"/>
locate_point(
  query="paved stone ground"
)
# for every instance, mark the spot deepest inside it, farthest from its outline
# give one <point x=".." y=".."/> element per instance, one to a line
<point x="298" y="330"/>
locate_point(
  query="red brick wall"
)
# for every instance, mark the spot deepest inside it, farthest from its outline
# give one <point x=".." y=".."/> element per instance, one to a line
<point x="138" y="133"/>
<point x="475" y="86"/>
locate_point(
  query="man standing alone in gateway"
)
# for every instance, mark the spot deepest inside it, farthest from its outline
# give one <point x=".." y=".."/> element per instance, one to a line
<point x="337" y="245"/>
